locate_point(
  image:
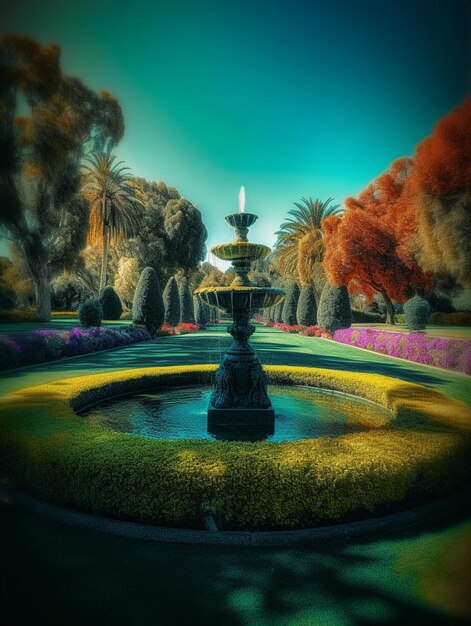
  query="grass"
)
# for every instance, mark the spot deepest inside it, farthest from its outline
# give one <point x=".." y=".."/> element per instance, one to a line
<point x="56" y="323"/>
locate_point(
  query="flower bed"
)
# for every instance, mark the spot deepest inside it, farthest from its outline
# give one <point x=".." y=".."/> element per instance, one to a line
<point x="183" y="328"/>
<point x="54" y="454"/>
<point x="307" y="331"/>
<point x="40" y="346"/>
<point x="453" y="354"/>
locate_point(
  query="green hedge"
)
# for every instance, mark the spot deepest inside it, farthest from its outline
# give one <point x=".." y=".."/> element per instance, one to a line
<point x="450" y="319"/>
<point x="49" y="451"/>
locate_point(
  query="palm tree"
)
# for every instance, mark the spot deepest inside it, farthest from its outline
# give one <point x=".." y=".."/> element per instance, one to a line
<point x="299" y="246"/>
<point x="115" y="209"/>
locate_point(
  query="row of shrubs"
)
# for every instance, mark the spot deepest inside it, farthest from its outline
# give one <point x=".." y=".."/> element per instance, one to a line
<point x="40" y="346"/>
<point x="51" y="453"/>
<point x="453" y="354"/>
<point x="151" y="308"/>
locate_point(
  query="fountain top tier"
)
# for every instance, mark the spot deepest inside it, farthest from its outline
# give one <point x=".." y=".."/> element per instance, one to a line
<point x="241" y="252"/>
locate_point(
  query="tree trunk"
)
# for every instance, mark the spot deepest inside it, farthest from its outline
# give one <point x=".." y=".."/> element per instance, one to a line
<point x="389" y="308"/>
<point x="35" y="257"/>
<point x="104" y="258"/>
<point x="43" y="296"/>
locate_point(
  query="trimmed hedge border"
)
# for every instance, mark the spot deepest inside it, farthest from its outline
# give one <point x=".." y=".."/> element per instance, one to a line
<point x="49" y="451"/>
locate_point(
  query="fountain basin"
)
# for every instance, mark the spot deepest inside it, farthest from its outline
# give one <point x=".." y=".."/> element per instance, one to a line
<point x="240" y="298"/>
<point x="422" y="451"/>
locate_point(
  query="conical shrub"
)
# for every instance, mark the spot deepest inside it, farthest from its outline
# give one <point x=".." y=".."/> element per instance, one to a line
<point x="334" y="310"/>
<point x="201" y="311"/>
<point x="416" y="313"/>
<point x="290" y="304"/>
<point x="171" y="298"/>
<point x="148" y="305"/>
<point x="306" y="313"/>
<point x="110" y="304"/>
<point x="187" y="313"/>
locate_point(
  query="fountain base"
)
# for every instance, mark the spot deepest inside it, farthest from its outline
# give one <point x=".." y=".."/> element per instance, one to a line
<point x="245" y="417"/>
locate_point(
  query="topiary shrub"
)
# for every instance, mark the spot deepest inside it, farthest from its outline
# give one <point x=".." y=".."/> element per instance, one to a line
<point x="201" y="311"/>
<point x="306" y="312"/>
<point x="110" y="304"/>
<point x="148" y="306"/>
<point x="90" y="313"/>
<point x="171" y="298"/>
<point x="290" y="305"/>
<point x="334" y="310"/>
<point x="187" y="313"/>
<point x="416" y="313"/>
<point x="278" y="314"/>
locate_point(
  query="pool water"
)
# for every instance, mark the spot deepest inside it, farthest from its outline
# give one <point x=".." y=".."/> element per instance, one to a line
<point x="181" y="413"/>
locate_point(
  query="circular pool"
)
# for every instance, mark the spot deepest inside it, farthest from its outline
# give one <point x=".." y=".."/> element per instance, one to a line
<point x="181" y="413"/>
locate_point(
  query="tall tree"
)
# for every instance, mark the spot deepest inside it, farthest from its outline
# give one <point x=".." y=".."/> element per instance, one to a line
<point x="126" y="280"/>
<point x="46" y="120"/>
<point x="115" y="209"/>
<point x="300" y="246"/>
<point x="363" y="247"/>
<point x="438" y="199"/>
<point x="172" y="235"/>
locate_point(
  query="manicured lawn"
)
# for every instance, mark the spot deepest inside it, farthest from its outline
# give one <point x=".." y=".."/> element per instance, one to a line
<point x="55" y="324"/>
<point x="75" y="576"/>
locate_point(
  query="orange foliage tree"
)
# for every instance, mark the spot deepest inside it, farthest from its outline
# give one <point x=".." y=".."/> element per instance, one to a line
<point x="438" y="198"/>
<point x="364" y="248"/>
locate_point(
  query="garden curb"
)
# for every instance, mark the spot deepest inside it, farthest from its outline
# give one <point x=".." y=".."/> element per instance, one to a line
<point x="456" y="504"/>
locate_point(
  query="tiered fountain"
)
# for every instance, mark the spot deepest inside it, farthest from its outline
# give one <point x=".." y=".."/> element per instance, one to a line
<point x="239" y="400"/>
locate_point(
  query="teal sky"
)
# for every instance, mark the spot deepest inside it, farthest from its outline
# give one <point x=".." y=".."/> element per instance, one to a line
<point x="288" y="99"/>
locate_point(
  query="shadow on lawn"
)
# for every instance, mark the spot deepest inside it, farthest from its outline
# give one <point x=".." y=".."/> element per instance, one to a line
<point x="269" y="354"/>
<point x="76" y="576"/>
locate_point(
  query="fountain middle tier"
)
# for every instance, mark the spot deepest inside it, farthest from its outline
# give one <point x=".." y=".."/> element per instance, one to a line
<point x="246" y="298"/>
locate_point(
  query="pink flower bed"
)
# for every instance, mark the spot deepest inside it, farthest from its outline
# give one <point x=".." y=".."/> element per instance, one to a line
<point x="40" y="346"/>
<point x="453" y="354"/>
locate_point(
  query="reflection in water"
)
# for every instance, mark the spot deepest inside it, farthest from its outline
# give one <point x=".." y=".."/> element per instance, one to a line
<point x="181" y="413"/>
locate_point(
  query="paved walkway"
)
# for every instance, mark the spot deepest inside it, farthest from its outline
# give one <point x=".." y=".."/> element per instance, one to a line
<point x="66" y="575"/>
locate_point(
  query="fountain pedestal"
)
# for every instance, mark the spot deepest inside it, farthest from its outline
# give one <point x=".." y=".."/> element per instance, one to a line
<point x="240" y="396"/>
<point x="240" y="400"/>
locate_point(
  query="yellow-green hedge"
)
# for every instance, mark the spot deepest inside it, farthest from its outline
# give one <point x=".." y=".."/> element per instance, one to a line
<point x="47" y="449"/>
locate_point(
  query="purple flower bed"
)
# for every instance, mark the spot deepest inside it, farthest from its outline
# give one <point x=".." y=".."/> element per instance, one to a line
<point x="453" y="354"/>
<point x="47" y="345"/>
